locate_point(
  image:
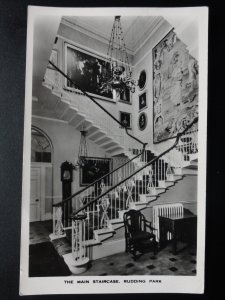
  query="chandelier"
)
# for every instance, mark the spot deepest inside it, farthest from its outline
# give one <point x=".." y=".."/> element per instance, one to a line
<point x="83" y="152"/>
<point x="117" y="57"/>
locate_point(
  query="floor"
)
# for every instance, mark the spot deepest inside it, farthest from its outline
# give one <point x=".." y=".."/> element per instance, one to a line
<point x="164" y="263"/>
<point x="39" y="232"/>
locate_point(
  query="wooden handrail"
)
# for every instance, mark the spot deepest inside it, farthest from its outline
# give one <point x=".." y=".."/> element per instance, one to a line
<point x="140" y="169"/>
<point x="97" y="180"/>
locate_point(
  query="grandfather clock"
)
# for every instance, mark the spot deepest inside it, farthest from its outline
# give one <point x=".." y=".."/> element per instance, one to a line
<point x="66" y="178"/>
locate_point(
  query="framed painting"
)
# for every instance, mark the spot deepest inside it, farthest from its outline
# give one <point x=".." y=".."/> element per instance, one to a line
<point x="142" y="80"/>
<point x="142" y="121"/>
<point x="125" y="119"/>
<point x="175" y="87"/>
<point x="89" y="71"/>
<point x="142" y="101"/>
<point x="95" y="168"/>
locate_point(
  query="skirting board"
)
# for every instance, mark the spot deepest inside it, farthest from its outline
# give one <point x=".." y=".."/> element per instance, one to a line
<point x="107" y="249"/>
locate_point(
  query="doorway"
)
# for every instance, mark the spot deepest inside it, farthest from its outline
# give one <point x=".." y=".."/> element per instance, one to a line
<point x="41" y="176"/>
<point x="35" y="194"/>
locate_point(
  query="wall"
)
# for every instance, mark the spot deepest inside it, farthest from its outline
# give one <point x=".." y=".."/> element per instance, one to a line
<point x="65" y="140"/>
<point x="74" y="37"/>
<point x="184" y="191"/>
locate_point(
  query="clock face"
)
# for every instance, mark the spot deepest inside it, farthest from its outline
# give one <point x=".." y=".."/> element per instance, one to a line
<point x="66" y="175"/>
<point x="142" y="79"/>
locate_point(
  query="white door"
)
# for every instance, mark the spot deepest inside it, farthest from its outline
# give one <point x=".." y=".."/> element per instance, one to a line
<point x="35" y="194"/>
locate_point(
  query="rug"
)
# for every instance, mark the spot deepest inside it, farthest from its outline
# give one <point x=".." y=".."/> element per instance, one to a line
<point x="44" y="261"/>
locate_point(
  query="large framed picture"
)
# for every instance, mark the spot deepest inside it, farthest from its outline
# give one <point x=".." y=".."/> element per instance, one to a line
<point x="175" y="87"/>
<point x="95" y="168"/>
<point x="89" y="71"/>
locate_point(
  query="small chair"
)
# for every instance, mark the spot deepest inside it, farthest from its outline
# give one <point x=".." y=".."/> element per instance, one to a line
<point x="137" y="237"/>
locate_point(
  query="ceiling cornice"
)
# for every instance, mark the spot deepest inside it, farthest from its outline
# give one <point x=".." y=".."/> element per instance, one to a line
<point x="96" y="34"/>
<point x="142" y="41"/>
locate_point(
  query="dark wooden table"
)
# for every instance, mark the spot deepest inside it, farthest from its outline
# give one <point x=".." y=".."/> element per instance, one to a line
<point x="181" y="229"/>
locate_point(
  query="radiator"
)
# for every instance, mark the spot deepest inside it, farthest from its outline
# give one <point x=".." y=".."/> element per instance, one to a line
<point x="166" y="210"/>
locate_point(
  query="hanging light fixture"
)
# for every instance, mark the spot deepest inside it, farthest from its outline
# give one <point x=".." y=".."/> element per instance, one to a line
<point x="117" y="57"/>
<point x="83" y="151"/>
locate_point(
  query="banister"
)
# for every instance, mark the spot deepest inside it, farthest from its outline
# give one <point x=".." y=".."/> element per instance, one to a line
<point x="137" y="171"/>
<point x="98" y="104"/>
<point x="98" y="180"/>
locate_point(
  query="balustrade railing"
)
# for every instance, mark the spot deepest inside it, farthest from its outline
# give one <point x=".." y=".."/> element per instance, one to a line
<point x="110" y="204"/>
<point x="61" y="221"/>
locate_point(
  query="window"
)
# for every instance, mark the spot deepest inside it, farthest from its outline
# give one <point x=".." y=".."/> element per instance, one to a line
<point x="40" y="147"/>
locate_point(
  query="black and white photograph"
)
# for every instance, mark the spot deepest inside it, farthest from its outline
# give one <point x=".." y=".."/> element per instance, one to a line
<point x="113" y="199"/>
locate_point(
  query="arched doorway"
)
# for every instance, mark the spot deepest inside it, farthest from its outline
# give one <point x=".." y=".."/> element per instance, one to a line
<point x="41" y="177"/>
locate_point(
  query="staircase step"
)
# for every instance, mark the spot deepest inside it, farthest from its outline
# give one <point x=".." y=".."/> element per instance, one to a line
<point x="121" y="213"/>
<point x="178" y="171"/>
<point x="103" y="234"/>
<point x="138" y="205"/>
<point x="116" y="223"/>
<point x="91" y="242"/>
<point x="193" y="156"/>
<point x="165" y="183"/>
<point x="177" y="177"/>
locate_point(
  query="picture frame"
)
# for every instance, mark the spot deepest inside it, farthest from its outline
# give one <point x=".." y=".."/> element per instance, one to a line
<point x="142" y="121"/>
<point x="143" y="101"/>
<point x="142" y="79"/>
<point x="83" y="67"/>
<point x="93" y="169"/>
<point x="125" y="117"/>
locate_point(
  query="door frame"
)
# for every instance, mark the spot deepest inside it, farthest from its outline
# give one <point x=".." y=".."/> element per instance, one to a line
<point x="42" y="167"/>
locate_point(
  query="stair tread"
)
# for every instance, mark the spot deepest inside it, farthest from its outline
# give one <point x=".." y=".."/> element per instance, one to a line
<point x="91" y="242"/>
<point x="104" y="231"/>
<point x="116" y="221"/>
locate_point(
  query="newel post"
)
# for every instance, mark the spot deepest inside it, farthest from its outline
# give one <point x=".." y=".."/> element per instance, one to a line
<point x="77" y="261"/>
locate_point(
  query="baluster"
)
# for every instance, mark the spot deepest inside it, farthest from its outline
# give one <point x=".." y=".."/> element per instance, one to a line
<point x="78" y="239"/>
<point x="136" y="189"/>
<point x="58" y="225"/>
<point x="88" y="223"/>
<point x="104" y="203"/>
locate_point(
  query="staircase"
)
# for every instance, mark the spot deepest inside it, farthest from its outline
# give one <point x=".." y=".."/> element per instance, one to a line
<point x="81" y="113"/>
<point x="98" y="208"/>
